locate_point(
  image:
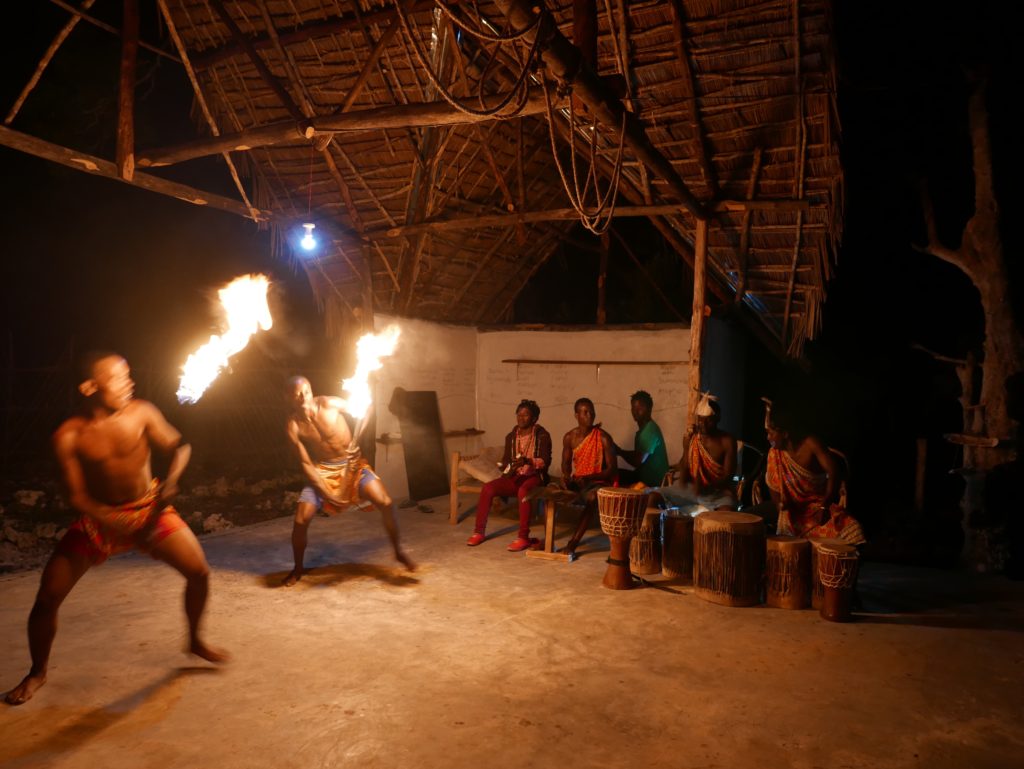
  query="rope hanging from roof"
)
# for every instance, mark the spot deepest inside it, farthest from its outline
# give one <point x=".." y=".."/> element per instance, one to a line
<point x="519" y="91"/>
<point x="597" y="218"/>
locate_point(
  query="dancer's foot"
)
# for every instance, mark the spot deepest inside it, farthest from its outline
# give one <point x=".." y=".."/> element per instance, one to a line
<point x="405" y="560"/>
<point x="23" y="692"/>
<point x="208" y="653"/>
<point x="295" y="576"/>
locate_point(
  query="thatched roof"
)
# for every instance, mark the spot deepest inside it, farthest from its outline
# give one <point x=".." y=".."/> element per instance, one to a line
<point x="729" y="101"/>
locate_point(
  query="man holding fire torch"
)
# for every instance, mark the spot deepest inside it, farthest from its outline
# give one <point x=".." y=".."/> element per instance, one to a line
<point x="337" y="473"/>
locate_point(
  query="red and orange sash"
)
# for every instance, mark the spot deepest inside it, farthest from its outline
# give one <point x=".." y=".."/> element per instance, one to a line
<point x="588" y="457"/>
<point x="703" y="468"/>
<point x="803" y="512"/>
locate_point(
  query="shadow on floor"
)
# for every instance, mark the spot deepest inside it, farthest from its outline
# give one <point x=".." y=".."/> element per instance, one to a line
<point x="339" y="573"/>
<point x="75" y="728"/>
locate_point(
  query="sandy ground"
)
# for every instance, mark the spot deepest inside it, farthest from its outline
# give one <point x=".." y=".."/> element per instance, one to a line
<point x="485" y="658"/>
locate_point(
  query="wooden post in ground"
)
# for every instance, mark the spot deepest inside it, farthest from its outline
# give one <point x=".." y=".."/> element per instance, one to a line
<point x="700" y="259"/>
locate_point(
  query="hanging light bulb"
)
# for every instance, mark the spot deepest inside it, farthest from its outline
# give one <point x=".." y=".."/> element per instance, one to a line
<point x="308" y="241"/>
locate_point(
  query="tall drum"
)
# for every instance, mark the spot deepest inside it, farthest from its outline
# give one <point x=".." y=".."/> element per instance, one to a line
<point x="621" y="512"/>
<point x="787" y="573"/>
<point x="677" y="544"/>
<point x="728" y="557"/>
<point x="816" y="544"/>
<point x="837" y="573"/>
<point x="645" y="549"/>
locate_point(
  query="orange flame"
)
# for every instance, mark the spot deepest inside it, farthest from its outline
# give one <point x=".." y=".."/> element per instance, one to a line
<point x="245" y="308"/>
<point x="369" y="350"/>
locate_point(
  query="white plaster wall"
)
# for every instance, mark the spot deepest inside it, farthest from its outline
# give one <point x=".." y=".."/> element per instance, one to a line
<point x="555" y="387"/>
<point x="429" y="356"/>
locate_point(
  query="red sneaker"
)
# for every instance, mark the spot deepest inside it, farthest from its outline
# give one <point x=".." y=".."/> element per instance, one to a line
<point x="524" y="543"/>
<point x="475" y="539"/>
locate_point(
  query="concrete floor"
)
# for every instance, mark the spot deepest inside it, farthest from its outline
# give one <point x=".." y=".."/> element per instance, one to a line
<point x="485" y="658"/>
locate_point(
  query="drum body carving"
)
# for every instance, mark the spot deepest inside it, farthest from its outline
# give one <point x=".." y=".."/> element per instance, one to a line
<point x="677" y="544"/>
<point x="787" y="573"/>
<point x="837" y="573"/>
<point x="645" y="549"/>
<point x="621" y="512"/>
<point x="816" y="544"/>
<point x="728" y="557"/>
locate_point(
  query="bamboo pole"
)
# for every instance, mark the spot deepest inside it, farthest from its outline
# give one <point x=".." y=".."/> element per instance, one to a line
<point x="697" y="320"/>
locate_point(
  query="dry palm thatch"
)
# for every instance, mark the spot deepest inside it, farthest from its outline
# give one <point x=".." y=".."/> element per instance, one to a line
<point x="442" y="146"/>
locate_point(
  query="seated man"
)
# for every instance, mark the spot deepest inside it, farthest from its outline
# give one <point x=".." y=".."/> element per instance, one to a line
<point x="524" y="466"/>
<point x="588" y="463"/>
<point x="707" y="466"/>
<point x="648" y="456"/>
<point x="803" y="478"/>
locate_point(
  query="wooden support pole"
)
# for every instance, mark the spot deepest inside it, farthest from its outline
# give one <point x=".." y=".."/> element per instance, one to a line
<point x="100" y="167"/>
<point x="561" y="214"/>
<point x="58" y="40"/>
<point x="437" y="113"/>
<point x="565" y="63"/>
<point x="743" y="257"/>
<point x="125" y="150"/>
<point x="697" y="320"/>
<point x="80" y="13"/>
<point x="584" y="30"/>
<point x="602" y="279"/>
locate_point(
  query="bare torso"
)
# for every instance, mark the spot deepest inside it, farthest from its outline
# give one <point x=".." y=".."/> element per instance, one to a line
<point x="324" y="433"/>
<point x="114" y="453"/>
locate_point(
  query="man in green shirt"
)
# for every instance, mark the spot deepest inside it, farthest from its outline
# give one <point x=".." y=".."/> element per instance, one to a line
<point x="648" y="457"/>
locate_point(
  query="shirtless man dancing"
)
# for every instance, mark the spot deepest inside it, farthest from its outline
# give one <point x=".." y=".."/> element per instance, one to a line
<point x="104" y="457"/>
<point x="319" y="435"/>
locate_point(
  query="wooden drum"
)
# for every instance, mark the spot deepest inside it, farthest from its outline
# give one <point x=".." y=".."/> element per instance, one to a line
<point x="728" y="557"/>
<point x="787" y="573"/>
<point x="621" y="512"/>
<point x="677" y="544"/>
<point x="816" y="544"/>
<point x="837" y="573"/>
<point x="645" y="549"/>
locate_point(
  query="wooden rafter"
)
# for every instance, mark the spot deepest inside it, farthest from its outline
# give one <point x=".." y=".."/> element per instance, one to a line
<point x="100" y="167"/>
<point x="743" y="256"/>
<point x="80" y="13"/>
<point x="683" y="56"/>
<point x="58" y="40"/>
<point x="125" y="146"/>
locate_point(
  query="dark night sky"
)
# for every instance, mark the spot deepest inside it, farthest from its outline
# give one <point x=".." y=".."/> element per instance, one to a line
<point x="114" y="266"/>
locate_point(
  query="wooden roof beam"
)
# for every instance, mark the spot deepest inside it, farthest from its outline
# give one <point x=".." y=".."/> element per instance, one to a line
<point x="683" y="54"/>
<point x="564" y="60"/>
<point x="100" y="167"/>
<point x="435" y="113"/>
<point x="80" y="13"/>
<point x="562" y="214"/>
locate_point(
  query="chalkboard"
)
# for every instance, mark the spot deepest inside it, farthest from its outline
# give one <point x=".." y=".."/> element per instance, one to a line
<point x="419" y="419"/>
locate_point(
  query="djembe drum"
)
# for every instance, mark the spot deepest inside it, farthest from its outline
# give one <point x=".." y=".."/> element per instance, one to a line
<point x="677" y="544"/>
<point x="728" y="557"/>
<point x="645" y="549"/>
<point x="816" y="544"/>
<point x="837" y="573"/>
<point x="787" y="573"/>
<point x="621" y="512"/>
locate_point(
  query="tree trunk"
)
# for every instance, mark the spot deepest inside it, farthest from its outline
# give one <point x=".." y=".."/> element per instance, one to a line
<point x="980" y="257"/>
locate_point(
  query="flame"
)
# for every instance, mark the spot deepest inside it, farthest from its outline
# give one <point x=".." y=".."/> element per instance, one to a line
<point x="245" y="308"/>
<point x="369" y="350"/>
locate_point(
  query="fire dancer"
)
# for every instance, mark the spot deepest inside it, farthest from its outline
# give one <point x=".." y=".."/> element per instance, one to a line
<point x="337" y="473"/>
<point x="104" y="457"/>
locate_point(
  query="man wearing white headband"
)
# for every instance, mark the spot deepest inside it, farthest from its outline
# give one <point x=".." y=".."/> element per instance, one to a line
<point x="708" y="464"/>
